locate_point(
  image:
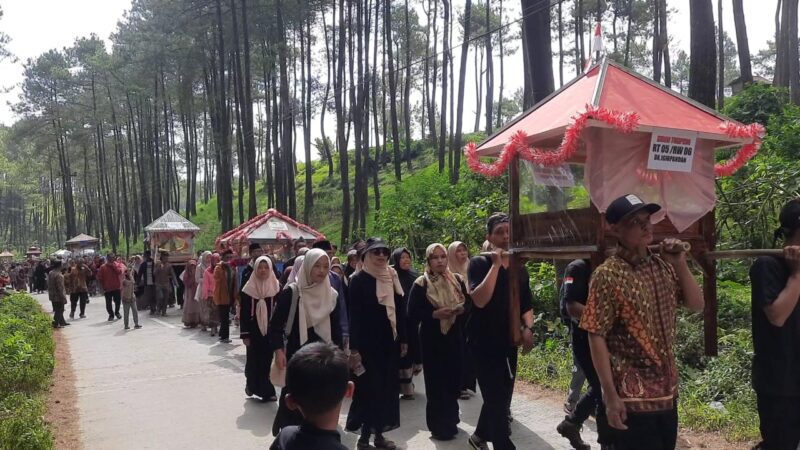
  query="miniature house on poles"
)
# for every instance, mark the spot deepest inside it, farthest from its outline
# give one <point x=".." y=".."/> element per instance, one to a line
<point x="172" y="233"/>
<point x="270" y="228"/>
<point x="82" y="244"/>
<point x="608" y="133"/>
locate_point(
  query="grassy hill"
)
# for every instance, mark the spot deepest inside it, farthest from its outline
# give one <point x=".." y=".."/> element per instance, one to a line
<point x="326" y="212"/>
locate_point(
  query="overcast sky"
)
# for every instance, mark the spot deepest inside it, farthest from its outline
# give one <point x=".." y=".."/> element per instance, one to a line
<point x="36" y="26"/>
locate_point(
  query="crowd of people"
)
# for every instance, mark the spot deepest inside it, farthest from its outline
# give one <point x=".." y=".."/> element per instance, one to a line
<point x="322" y="330"/>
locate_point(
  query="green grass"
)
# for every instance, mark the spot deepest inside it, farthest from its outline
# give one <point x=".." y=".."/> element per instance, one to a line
<point x="26" y="358"/>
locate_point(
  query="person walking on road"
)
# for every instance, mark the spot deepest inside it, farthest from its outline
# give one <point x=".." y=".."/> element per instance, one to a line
<point x="79" y="291"/>
<point x="411" y="364"/>
<point x="191" y="307"/>
<point x="312" y="301"/>
<point x="377" y="342"/>
<point x="437" y="299"/>
<point x="224" y="294"/>
<point x="488" y="333"/>
<point x="631" y="317"/>
<point x="257" y="300"/>
<point x="164" y="277"/>
<point x="57" y="294"/>
<point x="776" y="333"/>
<point x="146" y="280"/>
<point x="458" y="262"/>
<point x="108" y="275"/>
<point x="129" y="300"/>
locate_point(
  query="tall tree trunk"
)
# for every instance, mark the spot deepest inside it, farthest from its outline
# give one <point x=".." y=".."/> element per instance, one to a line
<point x="443" y="105"/>
<point x="456" y="146"/>
<point x="664" y="47"/>
<point x="407" y="90"/>
<point x="388" y="48"/>
<point x="720" y="58"/>
<point x="539" y="55"/>
<point x="703" y="58"/>
<point x="742" y="43"/>
<point x="656" y="53"/>
<point x="340" y="127"/>
<point x="247" y="122"/>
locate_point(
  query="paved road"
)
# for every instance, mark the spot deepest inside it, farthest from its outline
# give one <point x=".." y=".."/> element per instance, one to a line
<point x="163" y="386"/>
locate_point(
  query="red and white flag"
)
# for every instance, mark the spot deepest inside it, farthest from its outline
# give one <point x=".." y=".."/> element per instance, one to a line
<point x="597" y="45"/>
<point x="597" y="38"/>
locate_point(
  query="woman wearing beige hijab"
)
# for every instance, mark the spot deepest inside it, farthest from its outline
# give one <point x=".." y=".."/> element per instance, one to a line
<point x="458" y="262"/>
<point x="316" y="319"/>
<point x="437" y="300"/>
<point x="257" y="302"/>
<point x="377" y="341"/>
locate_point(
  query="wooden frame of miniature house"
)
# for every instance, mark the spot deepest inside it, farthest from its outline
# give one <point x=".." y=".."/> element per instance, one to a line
<point x="557" y="213"/>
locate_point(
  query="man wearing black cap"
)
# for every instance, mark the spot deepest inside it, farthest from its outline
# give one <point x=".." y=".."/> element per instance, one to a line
<point x="336" y="283"/>
<point x="776" y="335"/>
<point x="631" y="318"/>
<point x="488" y="335"/>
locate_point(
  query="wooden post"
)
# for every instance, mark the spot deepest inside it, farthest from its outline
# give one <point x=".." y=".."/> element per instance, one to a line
<point x="710" y="286"/>
<point x="514" y="259"/>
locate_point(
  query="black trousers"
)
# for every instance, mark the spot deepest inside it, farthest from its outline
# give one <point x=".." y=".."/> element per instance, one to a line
<point x="592" y="400"/>
<point x="58" y="314"/>
<point x="779" y="418"/>
<point x="224" y="321"/>
<point x="496" y="369"/>
<point x="113" y="296"/>
<point x="651" y="431"/>
<point x="73" y="301"/>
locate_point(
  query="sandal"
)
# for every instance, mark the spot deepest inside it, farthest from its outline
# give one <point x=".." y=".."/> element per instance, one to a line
<point x="383" y="443"/>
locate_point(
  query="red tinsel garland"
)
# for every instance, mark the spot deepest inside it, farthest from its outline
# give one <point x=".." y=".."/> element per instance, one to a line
<point x="748" y="151"/>
<point x="624" y="122"/>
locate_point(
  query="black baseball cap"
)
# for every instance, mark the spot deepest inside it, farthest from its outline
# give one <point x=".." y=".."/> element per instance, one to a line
<point x="374" y="243"/>
<point x="626" y="205"/>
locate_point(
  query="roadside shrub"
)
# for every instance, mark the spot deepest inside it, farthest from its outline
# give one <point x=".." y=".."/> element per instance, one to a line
<point x="26" y="358"/>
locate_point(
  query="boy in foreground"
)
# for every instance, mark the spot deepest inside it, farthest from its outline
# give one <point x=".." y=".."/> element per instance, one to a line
<point x="317" y="380"/>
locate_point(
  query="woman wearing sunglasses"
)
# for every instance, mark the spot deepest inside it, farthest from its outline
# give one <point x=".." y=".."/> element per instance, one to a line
<point x="377" y="342"/>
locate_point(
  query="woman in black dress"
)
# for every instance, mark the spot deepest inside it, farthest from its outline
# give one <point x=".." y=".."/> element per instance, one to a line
<point x="437" y="300"/>
<point x="257" y="302"/>
<point x="411" y="364"/>
<point x="377" y="342"/>
<point x="316" y="319"/>
<point x="40" y="278"/>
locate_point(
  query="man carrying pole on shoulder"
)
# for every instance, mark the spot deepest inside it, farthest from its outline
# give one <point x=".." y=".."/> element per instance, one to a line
<point x="631" y="319"/>
<point x="776" y="335"/>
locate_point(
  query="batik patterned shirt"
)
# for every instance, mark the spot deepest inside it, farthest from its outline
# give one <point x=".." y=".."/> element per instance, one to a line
<point x="634" y="307"/>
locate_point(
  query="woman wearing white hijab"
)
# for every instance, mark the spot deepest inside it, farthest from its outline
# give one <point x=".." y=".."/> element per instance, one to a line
<point x="257" y="302"/>
<point x="437" y="300"/>
<point x="377" y="341"/>
<point x="316" y="319"/>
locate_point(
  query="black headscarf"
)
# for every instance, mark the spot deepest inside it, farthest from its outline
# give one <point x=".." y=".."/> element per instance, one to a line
<point x="407" y="277"/>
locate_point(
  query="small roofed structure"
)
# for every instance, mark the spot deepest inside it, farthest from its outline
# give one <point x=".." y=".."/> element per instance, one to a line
<point x="6" y="257"/>
<point x="172" y="233"/>
<point x="82" y="243"/>
<point x="612" y="132"/>
<point x="33" y="252"/>
<point x="738" y="84"/>
<point x="269" y="228"/>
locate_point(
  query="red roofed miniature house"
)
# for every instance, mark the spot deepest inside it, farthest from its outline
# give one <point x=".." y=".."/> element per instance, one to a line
<point x="272" y="227"/>
<point x="608" y="133"/>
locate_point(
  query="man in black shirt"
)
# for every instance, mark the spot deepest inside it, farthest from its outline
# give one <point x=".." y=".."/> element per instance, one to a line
<point x="488" y="335"/>
<point x="575" y="292"/>
<point x="776" y="337"/>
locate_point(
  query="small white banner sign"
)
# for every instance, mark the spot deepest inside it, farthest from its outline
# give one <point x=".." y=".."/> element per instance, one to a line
<point x="671" y="150"/>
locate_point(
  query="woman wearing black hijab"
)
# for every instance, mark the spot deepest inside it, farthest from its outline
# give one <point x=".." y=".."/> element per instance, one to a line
<point x="410" y="364"/>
